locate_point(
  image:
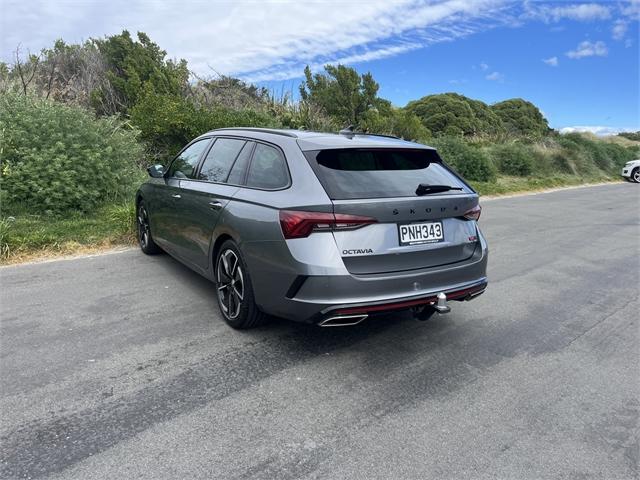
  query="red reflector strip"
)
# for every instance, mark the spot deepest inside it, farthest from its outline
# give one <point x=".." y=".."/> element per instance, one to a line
<point x="466" y="291"/>
<point x="410" y="303"/>
<point x="387" y="306"/>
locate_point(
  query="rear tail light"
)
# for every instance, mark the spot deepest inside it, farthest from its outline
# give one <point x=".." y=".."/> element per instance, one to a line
<point x="297" y="224"/>
<point x="474" y="213"/>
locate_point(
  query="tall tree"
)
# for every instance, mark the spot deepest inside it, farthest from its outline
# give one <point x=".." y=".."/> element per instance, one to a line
<point x="134" y="67"/>
<point x="341" y="92"/>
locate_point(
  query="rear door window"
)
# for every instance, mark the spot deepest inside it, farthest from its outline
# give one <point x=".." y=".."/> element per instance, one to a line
<point x="377" y="173"/>
<point x="239" y="169"/>
<point x="219" y="160"/>
<point x="268" y="169"/>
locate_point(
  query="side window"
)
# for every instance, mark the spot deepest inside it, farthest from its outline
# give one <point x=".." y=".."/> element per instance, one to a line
<point x="268" y="169"/>
<point x="219" y="160"/>
<point x="236" y="177"/>
<point x="185" y="163"/>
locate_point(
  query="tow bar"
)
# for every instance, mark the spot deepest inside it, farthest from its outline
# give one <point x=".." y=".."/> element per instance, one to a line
<point x="441" y="306"/>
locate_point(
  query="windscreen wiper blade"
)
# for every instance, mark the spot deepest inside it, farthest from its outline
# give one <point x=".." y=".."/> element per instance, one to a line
<point x="425" y="189"/>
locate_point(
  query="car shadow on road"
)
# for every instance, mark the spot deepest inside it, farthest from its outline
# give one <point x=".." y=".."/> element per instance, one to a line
<point x="307" y="337"/>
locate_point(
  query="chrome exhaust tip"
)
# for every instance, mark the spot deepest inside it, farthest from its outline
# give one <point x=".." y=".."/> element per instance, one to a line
<point x="473" y="295"/>
<point x="343" y="320"/>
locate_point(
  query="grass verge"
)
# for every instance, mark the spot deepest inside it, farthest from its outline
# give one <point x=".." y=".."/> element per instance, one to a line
<point x="506" y="185"/>
<point x="26" y="237"/>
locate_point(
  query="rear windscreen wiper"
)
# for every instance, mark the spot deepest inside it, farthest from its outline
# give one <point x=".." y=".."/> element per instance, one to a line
<point x="424" y="189"/>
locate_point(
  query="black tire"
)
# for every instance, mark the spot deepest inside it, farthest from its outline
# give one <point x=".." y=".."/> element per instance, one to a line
<point x="635" y="175"/>
<point x="234" y="291"/>
<point x="145" y="240"/>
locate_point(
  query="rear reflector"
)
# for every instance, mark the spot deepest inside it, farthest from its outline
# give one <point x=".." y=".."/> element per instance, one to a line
<point x="474" y="213"/>
<point x="297" y="224"/>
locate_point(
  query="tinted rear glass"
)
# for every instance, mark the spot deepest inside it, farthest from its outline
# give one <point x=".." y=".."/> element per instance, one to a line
<point x="379" y="173"/>
<point x="268" y="169"/>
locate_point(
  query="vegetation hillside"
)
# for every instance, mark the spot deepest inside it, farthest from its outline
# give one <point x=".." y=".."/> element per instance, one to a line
<point x="79" y="123"/>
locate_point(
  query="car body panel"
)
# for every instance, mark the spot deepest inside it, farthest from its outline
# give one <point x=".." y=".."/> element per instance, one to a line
<point x="197" y="214"/>
<point x="629" y="168"/>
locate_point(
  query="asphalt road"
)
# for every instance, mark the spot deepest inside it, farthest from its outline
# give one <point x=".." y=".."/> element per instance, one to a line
<point x="119" y="366"/>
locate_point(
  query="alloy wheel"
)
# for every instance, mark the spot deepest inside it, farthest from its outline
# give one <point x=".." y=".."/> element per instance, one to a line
<point x="143" y="227"/>
<point x="636" y="176"/>
<point x="230" y="283"/>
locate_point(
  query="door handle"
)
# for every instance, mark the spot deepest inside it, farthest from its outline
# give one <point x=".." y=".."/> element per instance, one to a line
<point x="176" y="195"/>
<point x="215" y="205"/>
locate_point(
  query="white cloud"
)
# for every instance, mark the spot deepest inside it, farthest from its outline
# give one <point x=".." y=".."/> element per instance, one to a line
<point x="484" y="66"/>
<point x="589" y="49"/>
<point x="581" y="12"/>
<point x="276" y="72"/>
<point x="551" y="61"/>
<point x="597" y="129"/>
<point x="495" y="76"/>
<point x="255" y="40"/>
<point x="631" y="9"/>
<point x="619" y="29"/>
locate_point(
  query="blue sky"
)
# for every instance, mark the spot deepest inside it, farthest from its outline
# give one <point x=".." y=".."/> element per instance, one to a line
<point x="578" y="61"/>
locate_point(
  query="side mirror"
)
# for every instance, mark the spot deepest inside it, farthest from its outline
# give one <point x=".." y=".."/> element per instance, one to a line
<point x="156" y="171"/>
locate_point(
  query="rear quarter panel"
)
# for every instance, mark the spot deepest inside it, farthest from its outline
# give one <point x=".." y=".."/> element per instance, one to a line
<point x="252" y="220"/>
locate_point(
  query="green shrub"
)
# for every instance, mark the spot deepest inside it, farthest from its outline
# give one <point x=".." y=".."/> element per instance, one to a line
<point x="521" y="118"/>
<point x="589" y="154"/>
<point x="618" y="155"/>
<point x="389" y="120"/>
<point x="168" y="122"/>
<point x="635" y="136"/>
<point x="451" y="114"/>
<point x="513" y="159"/>
<point x="561" y="163"/>
<point x="472" y="163"/>
<point x="4" y="238"/>
<point x="58" y="158"/>
<point x="577" y="155"/>
<point x="122" y="217"/>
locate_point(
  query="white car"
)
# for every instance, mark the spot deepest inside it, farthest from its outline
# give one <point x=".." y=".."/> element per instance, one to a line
<point x="631" y="171"/>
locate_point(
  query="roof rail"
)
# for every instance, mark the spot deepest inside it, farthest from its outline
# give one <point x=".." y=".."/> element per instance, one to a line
<point x="259" y="130"/>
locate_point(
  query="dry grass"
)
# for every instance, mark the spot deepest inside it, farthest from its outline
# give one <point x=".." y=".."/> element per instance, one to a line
<point x="63" y="251"/>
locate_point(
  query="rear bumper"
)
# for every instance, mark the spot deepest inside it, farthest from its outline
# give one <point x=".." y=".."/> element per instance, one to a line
<point x="362" y="311"/>
<point x="312" y="298"/>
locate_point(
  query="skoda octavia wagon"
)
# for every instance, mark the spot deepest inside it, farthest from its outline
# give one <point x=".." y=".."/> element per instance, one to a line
<point x="329" y="229"/>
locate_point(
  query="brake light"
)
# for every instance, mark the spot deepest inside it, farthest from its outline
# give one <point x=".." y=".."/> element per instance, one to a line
<point x="296" y="224"/>
<point x="474" y="213"/>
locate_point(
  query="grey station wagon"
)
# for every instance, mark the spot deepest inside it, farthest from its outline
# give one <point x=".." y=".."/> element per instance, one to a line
<point x="321" y="228"/>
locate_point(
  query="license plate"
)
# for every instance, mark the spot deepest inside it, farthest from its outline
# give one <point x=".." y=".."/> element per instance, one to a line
<point x="416" y="233"/>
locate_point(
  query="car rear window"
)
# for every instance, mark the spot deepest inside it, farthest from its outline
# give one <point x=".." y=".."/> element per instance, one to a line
<point x="378" y="173"/>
